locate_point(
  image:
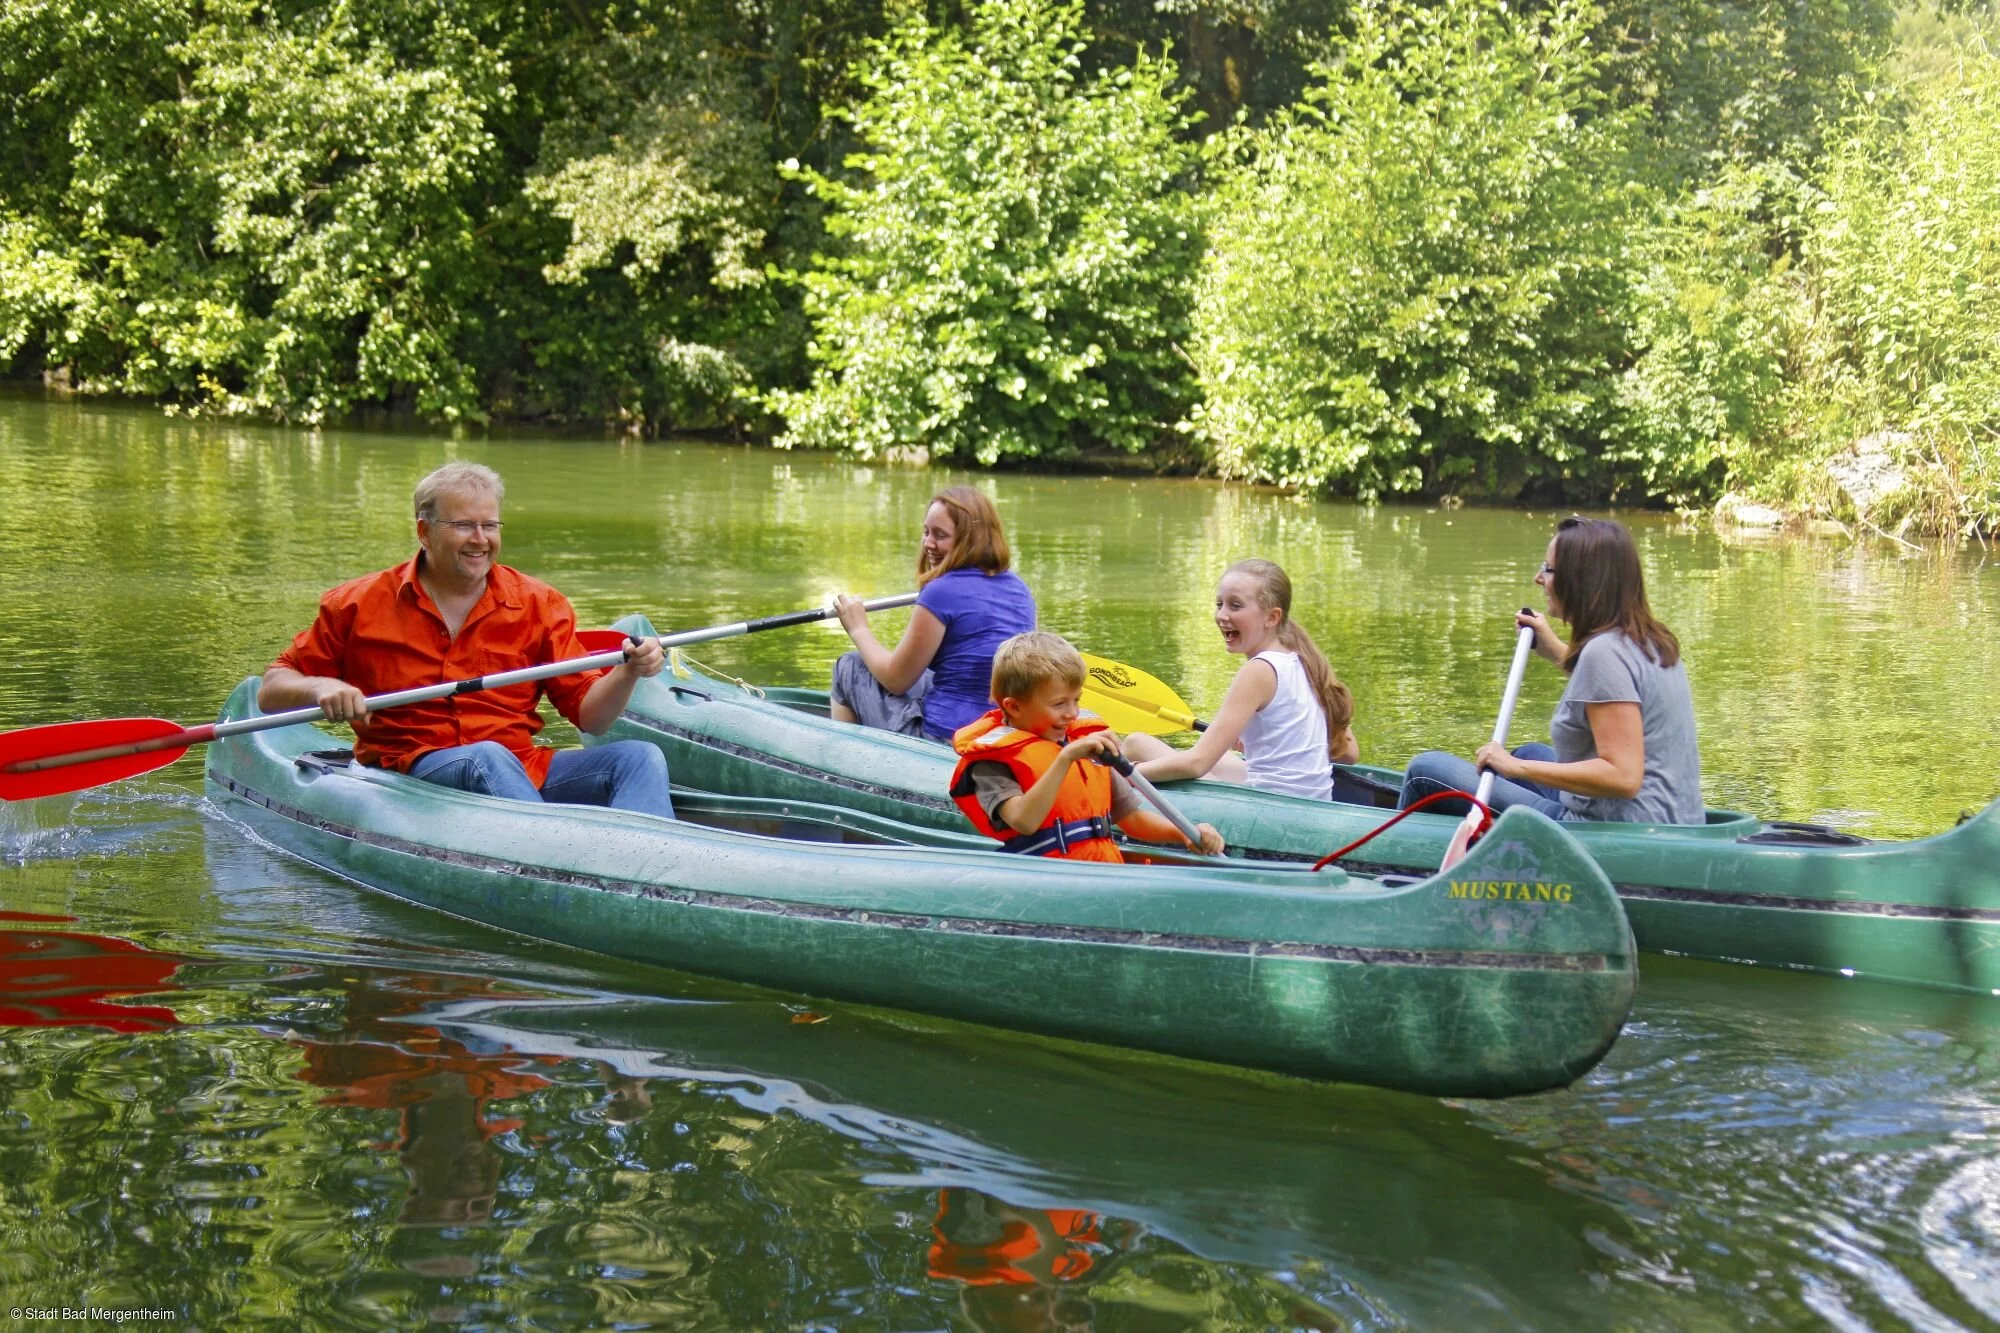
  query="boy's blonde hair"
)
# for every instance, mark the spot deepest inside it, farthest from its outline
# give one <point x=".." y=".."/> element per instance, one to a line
<point x="1024" y="662"/>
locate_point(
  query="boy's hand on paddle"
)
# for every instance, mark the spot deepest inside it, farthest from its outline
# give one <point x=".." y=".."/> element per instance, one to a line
<point x="1211" y="841"/>
<point x="1096" y="743"/>
<point x="339" y="701"/>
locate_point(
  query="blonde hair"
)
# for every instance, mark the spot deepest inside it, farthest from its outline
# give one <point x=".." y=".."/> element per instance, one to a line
<point x="1024" y="662"/>
<point x="455" y="477"/>
<point x="978" y="541"/>
<point x="1274" y="592"/>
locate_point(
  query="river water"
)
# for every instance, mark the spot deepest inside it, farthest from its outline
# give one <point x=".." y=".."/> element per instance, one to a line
<point x="235" y="1087"/>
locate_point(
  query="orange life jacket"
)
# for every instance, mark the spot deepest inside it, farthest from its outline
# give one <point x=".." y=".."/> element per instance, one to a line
<point x="1079" y="824"/>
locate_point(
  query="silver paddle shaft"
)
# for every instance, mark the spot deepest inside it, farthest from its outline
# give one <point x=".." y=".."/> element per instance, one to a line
<point x="550" y="670"/>
<point x="1522" y="647"/>
<point x="779" y="622"/>
<point x="1146" y="789"/>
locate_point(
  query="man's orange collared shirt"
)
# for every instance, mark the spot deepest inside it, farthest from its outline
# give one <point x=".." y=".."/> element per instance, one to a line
<point x="382" y="632"/>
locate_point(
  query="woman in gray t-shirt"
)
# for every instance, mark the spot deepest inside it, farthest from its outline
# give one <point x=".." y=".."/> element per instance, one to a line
<point x="1624" y="729"/>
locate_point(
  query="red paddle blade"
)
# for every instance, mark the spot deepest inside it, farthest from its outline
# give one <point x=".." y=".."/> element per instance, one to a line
<point x="601" y="640"/>
<point x="70" y="737"/>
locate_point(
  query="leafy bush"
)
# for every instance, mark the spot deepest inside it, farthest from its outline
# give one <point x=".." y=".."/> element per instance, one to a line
<point x="1717" y="306"/>
<point x="1741" y="82"/>
<point x="1012" y="258"/>
<point x="1417" y="280"/>
<point x="1904" y="254"/>
<point x="290" y="209"/>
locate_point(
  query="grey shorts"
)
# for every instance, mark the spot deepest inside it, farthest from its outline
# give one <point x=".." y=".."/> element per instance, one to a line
<point x="861" y="694"/>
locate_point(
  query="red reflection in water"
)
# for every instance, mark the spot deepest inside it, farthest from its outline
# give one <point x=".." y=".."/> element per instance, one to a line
<point x="56" y="978"/>
<point x="1021" y="1270"/>
<point x="438" y="1086"/>
<point x="982" y="1241"/>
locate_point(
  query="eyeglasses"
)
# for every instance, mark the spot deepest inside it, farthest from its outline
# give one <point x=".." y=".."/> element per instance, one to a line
<point x="465" y="527"/>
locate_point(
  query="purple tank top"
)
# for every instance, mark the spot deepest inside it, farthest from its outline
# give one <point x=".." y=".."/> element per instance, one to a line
<point x="979" y="611"/>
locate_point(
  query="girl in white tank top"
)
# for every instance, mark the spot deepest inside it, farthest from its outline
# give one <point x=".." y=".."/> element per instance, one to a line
<point x="1284" y="744"/>
<point x="1286" y="710"/>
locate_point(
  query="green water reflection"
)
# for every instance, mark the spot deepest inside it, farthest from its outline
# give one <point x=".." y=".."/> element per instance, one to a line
<point x="240" y="1088"/>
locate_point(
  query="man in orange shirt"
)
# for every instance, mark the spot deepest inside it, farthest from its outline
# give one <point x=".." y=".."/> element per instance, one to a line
<point x="453" y="612"/>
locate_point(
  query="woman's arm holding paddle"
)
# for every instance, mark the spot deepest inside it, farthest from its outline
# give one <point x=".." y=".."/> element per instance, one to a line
<point x="1619" y="732"/>
<point x="1546" y="643"/>
<point x="901" y="668"/>
<point x="1256" y="684"/>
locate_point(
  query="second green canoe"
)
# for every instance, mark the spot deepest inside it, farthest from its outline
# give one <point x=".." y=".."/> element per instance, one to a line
<point x="1738" y="889"/>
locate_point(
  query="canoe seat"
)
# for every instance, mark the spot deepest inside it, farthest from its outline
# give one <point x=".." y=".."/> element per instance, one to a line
<point x="1783" y="834"/>
<point x="1352" y="787"/>
<point x="324" y="761"/>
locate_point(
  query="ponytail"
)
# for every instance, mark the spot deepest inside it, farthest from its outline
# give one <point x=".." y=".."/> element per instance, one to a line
<point x="1274" y="591"/>
<point x="1335" y="699"/>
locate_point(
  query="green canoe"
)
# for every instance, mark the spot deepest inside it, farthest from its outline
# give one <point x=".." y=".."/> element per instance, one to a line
<point x="1738" y="889"/>
<point x="1510" y="974"/>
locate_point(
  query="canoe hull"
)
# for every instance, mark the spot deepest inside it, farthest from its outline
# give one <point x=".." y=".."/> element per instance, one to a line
<point x="1925" y="912"/>
<point x="1418" y="988"/>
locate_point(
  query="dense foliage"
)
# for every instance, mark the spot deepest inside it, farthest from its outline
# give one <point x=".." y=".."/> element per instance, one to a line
<point x="1417" y="276"/>
<point x="1644" y="249"/>
<point x="464" y="207"/>
<point x="1012" y="257"/>
<point x="1903" y="254"/>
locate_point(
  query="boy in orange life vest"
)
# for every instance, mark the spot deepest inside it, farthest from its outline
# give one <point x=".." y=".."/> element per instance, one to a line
<point x="1024" y="774"/>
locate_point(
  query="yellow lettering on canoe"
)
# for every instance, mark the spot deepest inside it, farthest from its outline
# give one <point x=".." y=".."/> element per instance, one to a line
<point x="1508" y="890"/>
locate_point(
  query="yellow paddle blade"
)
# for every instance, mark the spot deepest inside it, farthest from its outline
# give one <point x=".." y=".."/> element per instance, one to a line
<point x="1130" y="700"/>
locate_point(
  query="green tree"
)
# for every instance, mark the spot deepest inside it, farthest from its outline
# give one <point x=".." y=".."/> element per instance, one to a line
<point x="1417" y="279"/>
<point x="1011" y="259"/>
<point x="1717" y="306"/>
<point x="1740" y="81"/>
<point x="1904" y="258"/>
<point x="296" y="208"/>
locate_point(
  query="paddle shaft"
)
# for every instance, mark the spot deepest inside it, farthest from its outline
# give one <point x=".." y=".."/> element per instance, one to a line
<point x="1524" y="644"/>
<point x="779" y="622"/>
<point x="1123" y="766"/>
<point x="215" y="731"/>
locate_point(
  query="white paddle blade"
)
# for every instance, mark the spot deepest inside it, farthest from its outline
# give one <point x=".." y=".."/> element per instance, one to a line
<point x="1461" y="839"/>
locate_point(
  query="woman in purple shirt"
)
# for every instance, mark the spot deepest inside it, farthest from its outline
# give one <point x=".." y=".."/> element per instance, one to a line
<point x="938" y="678"/>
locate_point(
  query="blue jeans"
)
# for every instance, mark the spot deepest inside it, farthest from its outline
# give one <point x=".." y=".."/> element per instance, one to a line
<point x="1434" y="771"/>
<point x="625" y="775"/>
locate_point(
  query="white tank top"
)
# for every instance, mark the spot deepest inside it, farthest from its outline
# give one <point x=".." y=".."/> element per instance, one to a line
<point x="1285" y="744"/>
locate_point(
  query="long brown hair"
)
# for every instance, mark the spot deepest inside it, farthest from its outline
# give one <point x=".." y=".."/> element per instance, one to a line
<point x="978" y="541"/>
<point x="1274" y="592"/>
<point x="1599" y="586"/>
